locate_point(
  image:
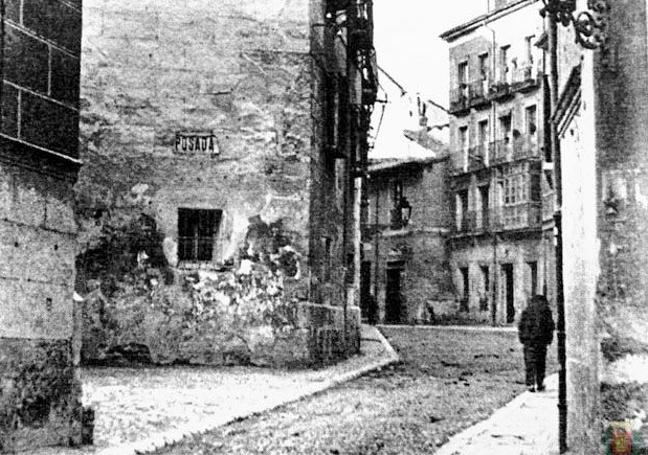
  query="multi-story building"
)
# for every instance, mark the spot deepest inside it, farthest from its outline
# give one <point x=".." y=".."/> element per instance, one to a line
<point x="405" y="267"/>
<point x="40" y="393"/>
<point x="238" y="129"/>
<point x="501" y="244"/>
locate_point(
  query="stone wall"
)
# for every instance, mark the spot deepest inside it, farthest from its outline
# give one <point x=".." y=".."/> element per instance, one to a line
<point x="241" y="74"/>
<point x="619" y="81"/>
<point x="605" y="249"/>
<point x="516" y="251"/>
<point x="39" y="390"/>
<point x="419" y="249"/>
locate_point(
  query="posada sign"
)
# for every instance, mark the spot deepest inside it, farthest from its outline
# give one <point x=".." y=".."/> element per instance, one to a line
<point x="196" y="143"/>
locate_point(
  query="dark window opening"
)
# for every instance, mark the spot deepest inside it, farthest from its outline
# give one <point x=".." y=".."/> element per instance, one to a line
<point x="483" y="298"/>
<point x="485" y="205"/>
<point x="196" y="232"/>
<point x="531" y="120"/>
<point x="466" y="290"/>
<point x="483" y="66"/>
<point x="504" y="63"/>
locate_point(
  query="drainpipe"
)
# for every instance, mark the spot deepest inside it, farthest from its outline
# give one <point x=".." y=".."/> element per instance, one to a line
<point x="492" y="132"/>
<point x="560" y="298"/>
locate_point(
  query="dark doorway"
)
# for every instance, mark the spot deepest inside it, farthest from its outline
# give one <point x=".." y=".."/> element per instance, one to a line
<point x="365" y="288"/>
<point x="509" y="297"/>
<point x="393" y="298"/>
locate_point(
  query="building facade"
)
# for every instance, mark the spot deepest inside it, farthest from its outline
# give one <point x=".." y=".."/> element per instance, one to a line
<point x="406" y="271"/>
<point x="501" y="245"/>
<point x="40" y="393"/>
<point x="601" y="120"/>
<point x="236" y="131"/>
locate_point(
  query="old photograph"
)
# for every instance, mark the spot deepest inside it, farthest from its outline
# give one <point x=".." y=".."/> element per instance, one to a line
<point x="323" y="227"/>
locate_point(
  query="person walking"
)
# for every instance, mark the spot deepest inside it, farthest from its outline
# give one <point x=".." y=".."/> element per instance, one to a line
<point x="536" y="333"/>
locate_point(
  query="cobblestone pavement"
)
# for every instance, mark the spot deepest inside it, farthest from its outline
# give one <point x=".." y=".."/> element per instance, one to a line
<point x="449" y="380"/>
<point x="140" y="409"/>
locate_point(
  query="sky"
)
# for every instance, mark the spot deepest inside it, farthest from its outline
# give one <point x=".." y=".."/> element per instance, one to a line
<point x="408" y="47"/>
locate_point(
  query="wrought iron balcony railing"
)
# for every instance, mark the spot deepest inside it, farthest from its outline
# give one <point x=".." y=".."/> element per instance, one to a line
<point x="510" y="149"/>
<point x="527" y="215"/>
<point x="469" y="94"/>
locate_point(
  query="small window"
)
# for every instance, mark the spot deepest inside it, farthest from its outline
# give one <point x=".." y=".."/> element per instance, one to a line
<point x="462" y="74"/>
<point x="506" y="124"/>
<point x="531" y="120"/>
<point x="196" y="231"/>
<point x="529" y="48"/>
<point x="483" y="133"/>
<point x="504" y="61"/>
<point x="483" y="66"/>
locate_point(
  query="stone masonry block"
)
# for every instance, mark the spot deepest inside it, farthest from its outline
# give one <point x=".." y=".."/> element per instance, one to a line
<point x="54" y="20"/>
<point x="49" y="125"/>
<point x="65" y="78"/>
<point x="10" y="110"/>
<point x="26" y="60"/>
<point x="35" y="310"/>
<point x="59" y="214"/>
<point x="24" y="204"/>
<point x="30" y="253"/>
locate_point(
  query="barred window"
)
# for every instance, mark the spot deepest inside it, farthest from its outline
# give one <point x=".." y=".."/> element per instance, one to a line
<point x="196" y="232"/>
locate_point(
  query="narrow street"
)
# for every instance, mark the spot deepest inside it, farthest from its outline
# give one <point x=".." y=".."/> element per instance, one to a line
<point x="448" y="380"/>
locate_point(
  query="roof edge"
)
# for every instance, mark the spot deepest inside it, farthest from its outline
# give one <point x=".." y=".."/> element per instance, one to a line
<point x="465" y="28"/>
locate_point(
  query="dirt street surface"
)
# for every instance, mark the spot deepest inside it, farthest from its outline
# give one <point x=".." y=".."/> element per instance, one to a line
<point x="448" y="380"/>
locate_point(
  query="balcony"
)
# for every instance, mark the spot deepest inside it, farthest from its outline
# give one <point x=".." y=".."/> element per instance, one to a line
<point x="478" y="92"/>
<point x="526" y="78"/>
<point x="459" y="99"/>
<point x="523" y="79"/>
<point x="477" y="157"/>
<point x="505" y="150"/>
<point x="467" y="95"/>
<point x="466" y="222"/>
<point x="527" y="215"/>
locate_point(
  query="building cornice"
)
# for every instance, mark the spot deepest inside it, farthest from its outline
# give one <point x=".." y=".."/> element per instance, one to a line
<point x="467" y="27"/>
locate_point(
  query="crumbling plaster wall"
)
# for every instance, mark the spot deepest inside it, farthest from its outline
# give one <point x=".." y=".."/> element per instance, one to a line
<point x="238" y="69"/>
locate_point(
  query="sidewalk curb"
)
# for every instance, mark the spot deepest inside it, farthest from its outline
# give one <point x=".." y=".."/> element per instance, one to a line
<point x="175" y="436"/>
<point x="465" y="328"/>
